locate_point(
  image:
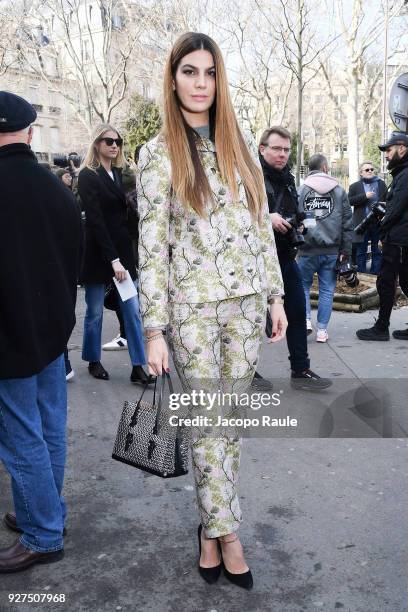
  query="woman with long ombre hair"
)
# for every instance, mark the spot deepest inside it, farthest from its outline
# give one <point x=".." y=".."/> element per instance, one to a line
<point x="208" y="267"/>
<point x="108" y="250"/>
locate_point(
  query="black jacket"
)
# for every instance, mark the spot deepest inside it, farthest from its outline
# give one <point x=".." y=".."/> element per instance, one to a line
<point x="282" y="198"/>
<point x="358" y="199"/>
<point x="394" y="226"/>
<point x="106" y="228"/>
<point x="40" y="239"/>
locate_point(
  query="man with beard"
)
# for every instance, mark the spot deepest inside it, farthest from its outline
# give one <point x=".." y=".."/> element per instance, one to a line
<point x="274" y="151"/>
<point x="394" y="236"/>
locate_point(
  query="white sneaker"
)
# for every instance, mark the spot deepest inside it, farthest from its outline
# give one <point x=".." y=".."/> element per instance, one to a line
<point x="309" y="328"/>
<point x="322" y="335"/>
<point x="117" y="344"/>
<point x="70" y="375"/>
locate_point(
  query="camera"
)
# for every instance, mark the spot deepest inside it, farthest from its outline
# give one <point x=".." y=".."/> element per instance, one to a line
<point x="63" y="161"/>
<point x="293" y="235"/>
<point x="374" y="216"/>
<point x="347" y="271"/>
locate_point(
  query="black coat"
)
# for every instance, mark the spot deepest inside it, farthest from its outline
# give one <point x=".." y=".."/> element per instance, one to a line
<point x="106" y="227"/>
<point x="40" y="240"/>
<point x="394" y="226"/>
<point x="358" y="199"/>
<point x="282" y="198"/>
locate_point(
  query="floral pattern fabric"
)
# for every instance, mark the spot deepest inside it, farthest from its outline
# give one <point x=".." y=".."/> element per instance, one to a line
<point x="215" y="348"/>
<point x="184" y="258"/>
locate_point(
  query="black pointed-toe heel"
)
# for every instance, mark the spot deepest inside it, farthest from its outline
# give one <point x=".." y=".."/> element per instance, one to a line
<point x="97" y="370"/>
<point x="210" y="574"/>
<point x="244" y="580"/>
<point x="139" y="376"/>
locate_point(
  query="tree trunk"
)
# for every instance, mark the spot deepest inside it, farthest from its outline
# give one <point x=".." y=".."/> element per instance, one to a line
<point x="352" y="127"/>
<point x="299" y="153"/>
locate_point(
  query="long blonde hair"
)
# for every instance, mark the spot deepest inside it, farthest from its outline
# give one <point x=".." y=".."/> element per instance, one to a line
<point x="188" y="177"/>
<point x="91" y="159"/>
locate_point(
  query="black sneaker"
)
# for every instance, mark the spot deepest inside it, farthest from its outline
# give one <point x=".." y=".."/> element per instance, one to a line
<point x="260" y="383"/>
<point x="309" y="381"/>
<point x="373" y="333"/>
<point x="400" y="334"/>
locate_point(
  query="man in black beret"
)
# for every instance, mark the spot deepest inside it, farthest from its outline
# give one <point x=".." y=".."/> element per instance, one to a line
<point x="39" y="253"/>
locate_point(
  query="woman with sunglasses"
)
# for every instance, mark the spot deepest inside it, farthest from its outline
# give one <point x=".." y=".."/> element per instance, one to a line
<point x="208" y="266"/>
<point x="108" y="250"/>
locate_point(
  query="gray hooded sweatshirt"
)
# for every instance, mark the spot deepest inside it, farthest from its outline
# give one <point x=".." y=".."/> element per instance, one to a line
<point x="333" y="232"/>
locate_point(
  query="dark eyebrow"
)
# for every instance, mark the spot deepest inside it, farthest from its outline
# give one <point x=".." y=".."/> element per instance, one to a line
<point x="195" y="67"/>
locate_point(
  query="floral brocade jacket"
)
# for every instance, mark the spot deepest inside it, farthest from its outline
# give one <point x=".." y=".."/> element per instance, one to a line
<point x="184" y="258"/>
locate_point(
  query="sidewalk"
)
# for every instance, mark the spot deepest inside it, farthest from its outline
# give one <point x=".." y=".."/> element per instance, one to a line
<point x="324" y="518"/>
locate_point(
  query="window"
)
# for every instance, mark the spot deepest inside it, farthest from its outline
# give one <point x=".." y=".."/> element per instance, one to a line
<point x="343" y="98"/>
<point x="55" y="139"/>
<point x="38" y="107"/>
<point x="339" y="148"/>
<point x="37" y="141"/>
<point x="117" y="22"/>
<point x="55" y="110"/>
<point x="33" y="95"/>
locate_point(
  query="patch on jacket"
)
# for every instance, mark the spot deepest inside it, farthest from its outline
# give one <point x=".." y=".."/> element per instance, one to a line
<point x="320" y="205"/>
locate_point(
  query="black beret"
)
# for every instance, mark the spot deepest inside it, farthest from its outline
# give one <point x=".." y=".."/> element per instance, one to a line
<point x="15" y="112"/>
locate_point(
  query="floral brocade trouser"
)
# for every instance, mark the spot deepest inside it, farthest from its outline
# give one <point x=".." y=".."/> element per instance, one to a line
<point x="215" y="349"/>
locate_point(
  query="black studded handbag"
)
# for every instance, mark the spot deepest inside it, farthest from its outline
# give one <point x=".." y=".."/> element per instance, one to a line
<point x="147" y="440"/>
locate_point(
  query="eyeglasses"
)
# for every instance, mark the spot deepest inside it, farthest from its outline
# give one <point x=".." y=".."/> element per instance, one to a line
<point x="110" y="141"/>
<point x="368" y="170"/>
<point x="279" y="149"/>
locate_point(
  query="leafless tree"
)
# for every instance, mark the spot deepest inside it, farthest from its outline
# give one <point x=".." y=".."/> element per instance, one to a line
<point x="84" y="49"/>
<point x="11" y="17"/>
<point x="259" y="84"/>
<point x="296" y="31"/>
<point x="361" y="32"/>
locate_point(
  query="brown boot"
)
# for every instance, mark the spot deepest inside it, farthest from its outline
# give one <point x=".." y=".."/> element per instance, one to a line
<point x="17" y="558"/>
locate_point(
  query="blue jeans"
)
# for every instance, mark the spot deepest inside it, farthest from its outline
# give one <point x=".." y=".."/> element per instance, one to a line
<point x="372" y="235"/>
<point x="33" y="416"/>
<point x="91" y="348"/>
<point x="324" y="265"/>
<point x="295" y="309"/>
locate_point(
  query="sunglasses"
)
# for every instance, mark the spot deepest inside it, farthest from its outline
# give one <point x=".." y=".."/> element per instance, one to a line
<point x="369" y="170"/>
<point x="110" y="141"/>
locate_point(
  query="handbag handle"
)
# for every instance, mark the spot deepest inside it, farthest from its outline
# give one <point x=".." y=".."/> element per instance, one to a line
<point x="165" y="377"/>
<point x="133" y="420"/>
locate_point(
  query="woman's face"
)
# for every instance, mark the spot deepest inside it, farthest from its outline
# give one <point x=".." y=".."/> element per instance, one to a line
<point x="195" y="86"/>
<point x="67" y="179"/>
<point x="107" y="148"/>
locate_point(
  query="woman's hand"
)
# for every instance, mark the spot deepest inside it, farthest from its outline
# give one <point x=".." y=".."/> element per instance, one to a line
<point x="157" y="354"/>
<point x="119" y="270"/>
<point x="279" y="322"/>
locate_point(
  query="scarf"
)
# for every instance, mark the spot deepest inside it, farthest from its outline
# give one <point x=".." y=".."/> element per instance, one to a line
<point x="282" y="177"/>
